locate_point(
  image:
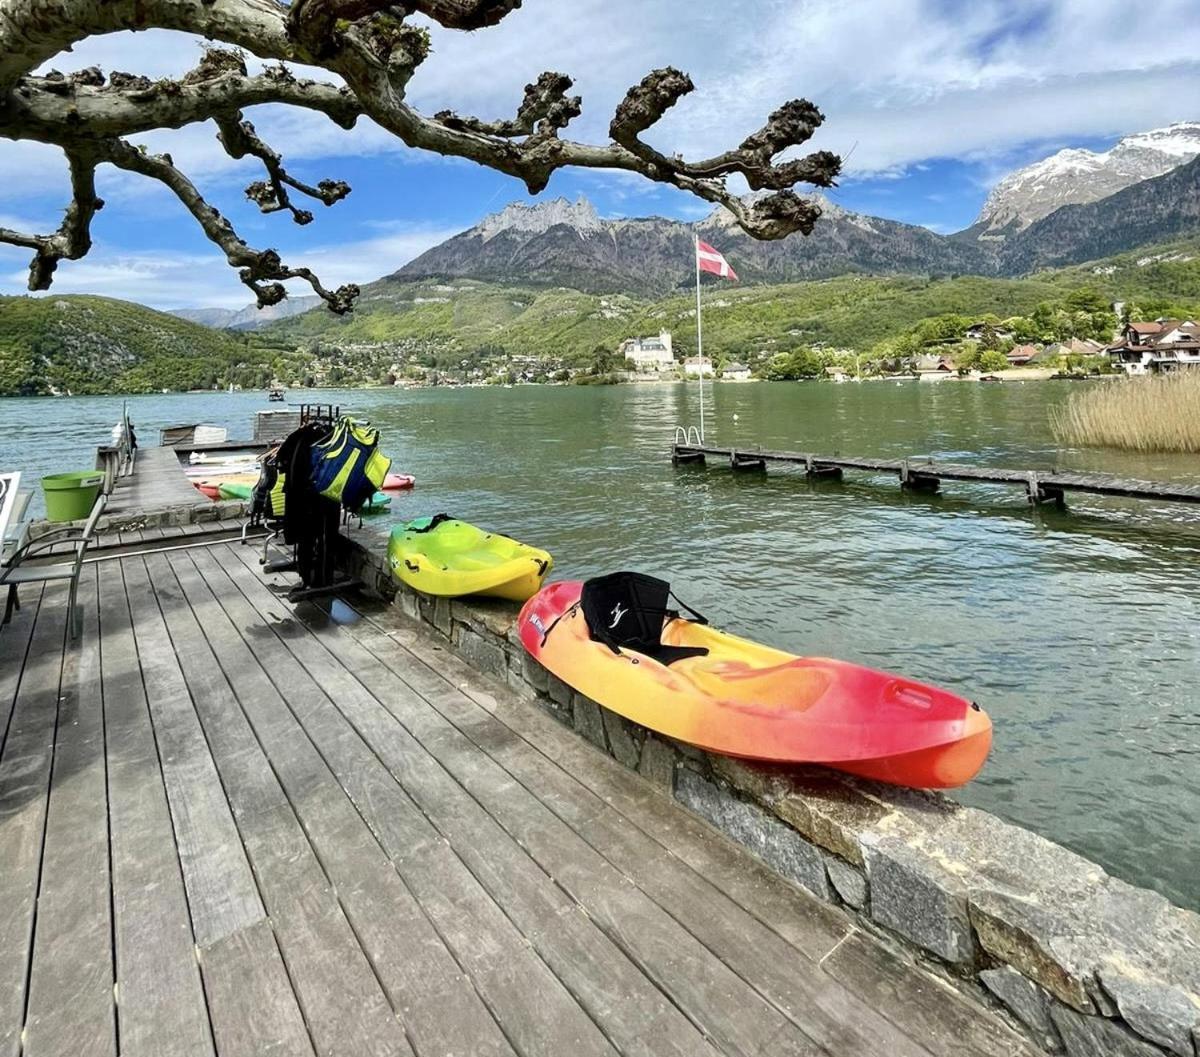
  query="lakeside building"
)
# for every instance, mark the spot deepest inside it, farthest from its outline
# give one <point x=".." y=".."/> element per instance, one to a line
<point x="736" y="372"/>
<point x="932" y="363"/>
<point x="1152" y="347"/>
<point x="649" y="355"/>
<point x="694" y="367"/>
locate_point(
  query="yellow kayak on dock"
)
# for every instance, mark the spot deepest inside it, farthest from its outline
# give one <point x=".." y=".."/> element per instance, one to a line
<point x="450" y="558"/>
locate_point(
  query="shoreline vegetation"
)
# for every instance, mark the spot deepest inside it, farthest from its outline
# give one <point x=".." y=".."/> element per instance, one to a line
<point x="1156" y="414"/>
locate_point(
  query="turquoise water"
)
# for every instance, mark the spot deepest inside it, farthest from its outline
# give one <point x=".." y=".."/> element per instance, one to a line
<point x="1078" y="631"/>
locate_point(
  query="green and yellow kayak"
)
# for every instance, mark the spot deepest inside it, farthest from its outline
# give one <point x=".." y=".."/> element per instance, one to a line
<point x="442" y="556"/>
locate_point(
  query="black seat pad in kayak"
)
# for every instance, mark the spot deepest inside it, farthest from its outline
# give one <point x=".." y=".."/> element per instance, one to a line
<point x="626" y="610"/>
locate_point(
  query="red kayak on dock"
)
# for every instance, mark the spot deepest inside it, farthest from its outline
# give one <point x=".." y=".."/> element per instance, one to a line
<point x="623" y="647"/>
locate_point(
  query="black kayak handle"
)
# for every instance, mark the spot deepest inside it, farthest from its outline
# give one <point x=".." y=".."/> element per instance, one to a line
<point x="412" y="566"/>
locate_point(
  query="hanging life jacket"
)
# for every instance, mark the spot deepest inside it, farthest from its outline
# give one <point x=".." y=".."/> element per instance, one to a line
<point x="348" y="466"/>
<point x="268" y="500"/>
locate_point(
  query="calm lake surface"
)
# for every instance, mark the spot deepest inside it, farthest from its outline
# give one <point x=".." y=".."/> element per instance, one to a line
<point x="1079" y="632"/>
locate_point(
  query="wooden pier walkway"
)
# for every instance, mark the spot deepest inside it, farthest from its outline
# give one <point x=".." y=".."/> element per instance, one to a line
<point x="232" y="827"/>
<point x="925" y="475"/>
<point x="158" y="482"/>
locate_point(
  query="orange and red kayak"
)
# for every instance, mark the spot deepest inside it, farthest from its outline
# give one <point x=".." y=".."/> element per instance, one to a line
<point x="741" y="698"/>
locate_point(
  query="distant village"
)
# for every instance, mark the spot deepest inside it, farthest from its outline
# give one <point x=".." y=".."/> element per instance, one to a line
<point x="984" y="350"/>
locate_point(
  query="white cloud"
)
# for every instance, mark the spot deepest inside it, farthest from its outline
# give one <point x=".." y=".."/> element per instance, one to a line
<point x="166" y="279"/>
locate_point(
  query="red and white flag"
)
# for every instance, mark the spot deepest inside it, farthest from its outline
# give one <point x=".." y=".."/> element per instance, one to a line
<point x="710" y="260"/>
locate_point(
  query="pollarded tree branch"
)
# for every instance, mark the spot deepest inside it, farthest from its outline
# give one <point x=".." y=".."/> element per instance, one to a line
<point x="73" y="239"/>
<point x="261" y="270"/>
<point x="545" y="109"/>
<point x="239" y="140"/>
<point x="371" y="47"/>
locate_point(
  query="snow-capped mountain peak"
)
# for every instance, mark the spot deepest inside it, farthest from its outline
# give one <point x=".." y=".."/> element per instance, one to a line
<point x="1075" y="175"/>
<point x="541" y="216"/>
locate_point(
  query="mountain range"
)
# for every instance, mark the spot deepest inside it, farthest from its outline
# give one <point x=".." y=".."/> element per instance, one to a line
<point x="1071" y="207"/>
<point x="1075" y="177"/>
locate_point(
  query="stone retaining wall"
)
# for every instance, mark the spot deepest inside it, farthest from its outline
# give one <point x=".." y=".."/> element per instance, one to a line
<point x="197" y="513"/>
<point x="1082" y="961"/>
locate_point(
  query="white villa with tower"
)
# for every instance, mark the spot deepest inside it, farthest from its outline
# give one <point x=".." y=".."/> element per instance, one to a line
<point x="649" y="355"/>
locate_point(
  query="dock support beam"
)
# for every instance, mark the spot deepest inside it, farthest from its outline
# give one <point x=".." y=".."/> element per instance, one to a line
<point x="816" y="471"/>
<point x="1040" y="493"/>
<point x="741" y="461"/>
<point x="686" y="456"/>
<point x="917" y="480"/>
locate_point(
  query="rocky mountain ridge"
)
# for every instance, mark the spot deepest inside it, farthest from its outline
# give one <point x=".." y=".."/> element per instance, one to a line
<point x="1075" y="176"/>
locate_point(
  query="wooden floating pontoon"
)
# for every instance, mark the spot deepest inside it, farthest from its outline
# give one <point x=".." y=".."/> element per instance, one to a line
<point x="925" y="475"/>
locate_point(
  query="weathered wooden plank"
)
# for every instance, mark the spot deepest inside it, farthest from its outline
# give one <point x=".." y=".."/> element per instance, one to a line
<point x="25" y="765"/>
<point x="343" y="1004"/>
<point x="810" y="925"/>
<point x="715" y="998"/>
<point x="440" y="1009"/>
<point x="633" y="1012"/>
<point x="947" y="1023"/>
<point x="254" y="1010"/>
<point x="160" y="1000"/>
<point x="71" y="983"/>
<point x="14" y="644"/>
<point x="221" y="892"/>
<point x="794" y="983"/>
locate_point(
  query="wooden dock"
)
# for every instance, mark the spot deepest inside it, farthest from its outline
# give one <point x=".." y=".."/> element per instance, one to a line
<point x="230" y="826"/>
<point x="158" y="481"/>
<point x="925" y="475"/>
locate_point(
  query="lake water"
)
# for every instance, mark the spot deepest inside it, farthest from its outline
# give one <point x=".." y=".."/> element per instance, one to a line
<point x="1079" y="631"/>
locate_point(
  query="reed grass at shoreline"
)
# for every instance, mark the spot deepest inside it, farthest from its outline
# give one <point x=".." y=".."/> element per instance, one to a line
<point x="1155" y="414"/>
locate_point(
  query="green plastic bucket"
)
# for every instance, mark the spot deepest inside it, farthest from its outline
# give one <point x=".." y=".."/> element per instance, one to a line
<point x="70" y="496"/>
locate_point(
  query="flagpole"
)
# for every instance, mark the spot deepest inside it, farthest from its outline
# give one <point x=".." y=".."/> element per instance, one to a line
<point x="699" y="335"/>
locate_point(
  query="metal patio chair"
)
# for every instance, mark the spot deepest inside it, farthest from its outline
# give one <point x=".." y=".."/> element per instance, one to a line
<point x="20" y="569"/>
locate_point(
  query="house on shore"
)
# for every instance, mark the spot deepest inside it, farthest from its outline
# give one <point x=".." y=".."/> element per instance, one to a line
<point x="933" y="363"/>
<point x="1156" y="346"/>
<point x="695" y="367"/>
<point x="736" y="372"/>
<point x="649" y="355"/>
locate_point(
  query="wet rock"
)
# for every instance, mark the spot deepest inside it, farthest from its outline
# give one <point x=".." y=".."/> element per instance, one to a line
<point x="777" y="844"/>
<point x="657" y="763"/>
<point x="916" y="896"/>
<point x="1027" y="1002"/>
<point x="1092" y="1036"/>
<point x="588" y="721"/>
<point x="621" y="741"/>
<point x="848" y="882"/>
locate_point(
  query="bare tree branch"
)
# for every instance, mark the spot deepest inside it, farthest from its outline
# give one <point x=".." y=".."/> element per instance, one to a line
<point x="239" y="140"/>
<point x="73" y="239"/>
<point x="375" y="51"/>
<point x="261" y="270"/>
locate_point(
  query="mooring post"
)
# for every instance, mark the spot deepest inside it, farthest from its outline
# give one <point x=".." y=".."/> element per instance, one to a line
<point x="742" y="461"/>
<point x="1039" y="493"/>
<point x="821" y="472"/>
<point x="916" y="480"/>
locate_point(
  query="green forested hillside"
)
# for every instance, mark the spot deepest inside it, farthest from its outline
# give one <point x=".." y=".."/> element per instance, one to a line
<point x="443" y="321"/>
<point x="84" y="345"/>
<point x="92" y="344"/>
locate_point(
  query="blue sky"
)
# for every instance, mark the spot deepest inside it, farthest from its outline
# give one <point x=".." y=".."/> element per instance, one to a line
<point x="931" y="101"/>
